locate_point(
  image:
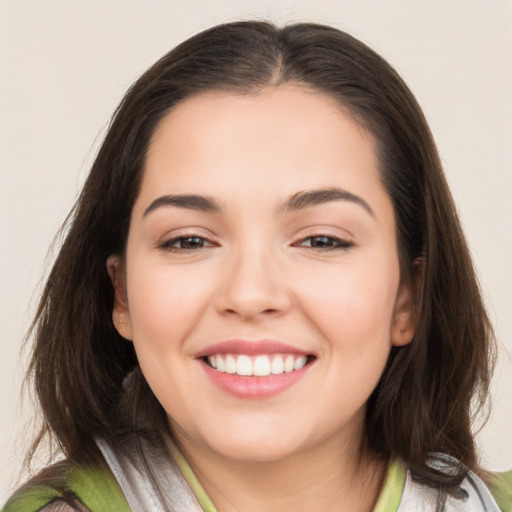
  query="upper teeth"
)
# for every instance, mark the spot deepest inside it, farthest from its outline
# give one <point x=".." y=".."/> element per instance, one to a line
<point x="260" y="366"/>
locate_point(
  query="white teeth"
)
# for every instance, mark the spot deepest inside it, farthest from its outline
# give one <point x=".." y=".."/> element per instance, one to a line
<point x="288" y="364"/>
<point x="230" y="364"/>
<point x="299" y="362"/>
<point x="277" y="366"/>
<point x="259" y="366"/>
<point x="221" y="365"/>
<point x="244" y="365"/>
<point x="262" y="366"/>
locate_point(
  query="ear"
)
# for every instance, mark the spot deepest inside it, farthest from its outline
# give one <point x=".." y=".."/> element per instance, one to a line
<point x="407" y="306"/>
<point x="120" y="313"/>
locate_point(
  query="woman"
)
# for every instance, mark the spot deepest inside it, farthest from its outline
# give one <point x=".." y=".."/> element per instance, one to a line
<point x="264" y="300"/>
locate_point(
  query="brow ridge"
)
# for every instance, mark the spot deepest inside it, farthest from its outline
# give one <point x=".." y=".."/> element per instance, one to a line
<point x="190" y="201"/>
<point x="298" y="201"/>
<point x="307" y="198"/>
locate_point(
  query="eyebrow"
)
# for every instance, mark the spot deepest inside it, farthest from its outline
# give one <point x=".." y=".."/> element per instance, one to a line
<point x="308" y="198"/>
<point x="190" y="201"/>
<point x="299" y="201"/>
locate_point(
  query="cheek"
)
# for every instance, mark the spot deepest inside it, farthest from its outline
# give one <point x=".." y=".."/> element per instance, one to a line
<point x="353" y="311"/>
<point x="165" y="305"/>
<point x="163" y="301"/>
<point x="352" y="302"/>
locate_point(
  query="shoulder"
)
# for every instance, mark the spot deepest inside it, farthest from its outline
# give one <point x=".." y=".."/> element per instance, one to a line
<point x="500" y="485"/>
<point x="60" y="505"/>
<point x="490" y="493"/>
<point x="75" y="488"/>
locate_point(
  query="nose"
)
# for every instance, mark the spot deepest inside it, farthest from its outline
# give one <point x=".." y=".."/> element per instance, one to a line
<point x="253" y="286"/>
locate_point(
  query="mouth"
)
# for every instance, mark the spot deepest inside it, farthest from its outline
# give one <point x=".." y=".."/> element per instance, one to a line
<point x="262" y="365"/>
<point x="255" y="369"/>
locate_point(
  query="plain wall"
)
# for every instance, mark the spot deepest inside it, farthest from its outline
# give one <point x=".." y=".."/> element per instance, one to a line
<point x="65" y="65"/>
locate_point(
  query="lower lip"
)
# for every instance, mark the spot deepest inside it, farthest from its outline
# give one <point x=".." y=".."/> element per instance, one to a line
<point x="254" y="387"/>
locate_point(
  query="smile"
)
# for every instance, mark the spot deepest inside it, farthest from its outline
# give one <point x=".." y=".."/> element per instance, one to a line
<point x="255" y="369"/>
<point x="259" y="366"/>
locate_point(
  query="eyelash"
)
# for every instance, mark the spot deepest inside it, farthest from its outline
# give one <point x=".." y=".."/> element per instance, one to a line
<point x="168" y="245"/>
<point x="335" y="243"/>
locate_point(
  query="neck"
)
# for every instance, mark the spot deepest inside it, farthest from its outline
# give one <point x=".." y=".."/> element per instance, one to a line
<point x="330" y="477"/>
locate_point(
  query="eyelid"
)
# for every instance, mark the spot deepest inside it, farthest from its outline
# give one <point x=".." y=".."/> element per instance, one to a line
<point x="342" y="242"/>
<point x="165" y="242"/>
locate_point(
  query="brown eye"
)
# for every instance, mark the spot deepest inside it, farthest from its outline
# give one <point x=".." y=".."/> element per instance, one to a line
<point x="185" y="243"/>
<point x="191" y="242"/>
<point x="324" y="243"/>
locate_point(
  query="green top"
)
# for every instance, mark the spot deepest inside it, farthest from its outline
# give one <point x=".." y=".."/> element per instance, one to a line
<point x="391" y="492"/>
<point x="501" y="489"/>
<point x="96" y="488"/>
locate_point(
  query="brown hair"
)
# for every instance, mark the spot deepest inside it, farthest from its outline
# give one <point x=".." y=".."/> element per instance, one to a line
<point x="430" y="388"/>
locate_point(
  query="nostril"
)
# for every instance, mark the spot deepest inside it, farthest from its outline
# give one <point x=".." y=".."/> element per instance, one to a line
<point x="248" y="312"/>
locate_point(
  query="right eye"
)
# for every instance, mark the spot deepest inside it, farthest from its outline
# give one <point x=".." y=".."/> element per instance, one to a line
<point x="185" y="244"/>
<point x="324" y="243"/>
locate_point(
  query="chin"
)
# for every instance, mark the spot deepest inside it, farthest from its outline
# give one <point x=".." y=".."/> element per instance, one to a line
<point x="259" y="444"/>
<point x="256" y="452"/>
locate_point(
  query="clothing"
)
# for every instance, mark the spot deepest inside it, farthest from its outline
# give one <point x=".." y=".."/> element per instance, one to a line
<point x="164" y="482"/>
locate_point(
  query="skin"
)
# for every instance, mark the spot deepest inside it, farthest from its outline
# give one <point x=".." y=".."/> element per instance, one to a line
<point x="257" y="273"/>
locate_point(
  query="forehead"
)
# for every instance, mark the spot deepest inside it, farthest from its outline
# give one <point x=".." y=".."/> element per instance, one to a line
<point x="288" y="138"/>
<point x="292" y="109"/>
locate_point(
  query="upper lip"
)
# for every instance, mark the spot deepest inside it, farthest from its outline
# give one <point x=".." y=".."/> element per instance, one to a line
<point x="251" y="347"/>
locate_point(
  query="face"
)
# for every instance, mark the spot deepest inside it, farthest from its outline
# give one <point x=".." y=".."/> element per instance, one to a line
<point x="261" y="284"/>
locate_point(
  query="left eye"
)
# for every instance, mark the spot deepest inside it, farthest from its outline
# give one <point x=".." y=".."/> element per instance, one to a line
<point x="324" y="243"/>
<point x="186" y="243"/>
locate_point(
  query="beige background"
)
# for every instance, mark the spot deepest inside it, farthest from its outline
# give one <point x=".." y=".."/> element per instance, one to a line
<point x="65" y="64"/>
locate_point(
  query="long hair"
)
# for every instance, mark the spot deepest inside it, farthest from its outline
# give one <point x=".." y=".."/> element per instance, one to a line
<point x="430" y="389"/>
